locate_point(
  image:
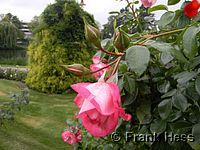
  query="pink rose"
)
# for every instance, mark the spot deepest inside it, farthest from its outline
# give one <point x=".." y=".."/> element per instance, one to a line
<point x="148" y="3"/>
<point x="100" y="107"/>
<point x="71" y="138"/>
<point x="96" y="66"/>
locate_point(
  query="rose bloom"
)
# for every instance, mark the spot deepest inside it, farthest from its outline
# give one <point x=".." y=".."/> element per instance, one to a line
<point x="148" y="3"/>
<point x="100" y="107"/>
<point x="98" y="65"/>
<point x="71" y="138"/>
<point x="191" y="9"/>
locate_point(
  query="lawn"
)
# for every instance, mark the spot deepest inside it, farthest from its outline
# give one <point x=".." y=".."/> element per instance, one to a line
<point x="38" y="126"/>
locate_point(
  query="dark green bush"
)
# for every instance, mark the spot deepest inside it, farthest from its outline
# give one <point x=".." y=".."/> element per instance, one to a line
<point x="13" y="56"/>
<point x="60" y="40"/>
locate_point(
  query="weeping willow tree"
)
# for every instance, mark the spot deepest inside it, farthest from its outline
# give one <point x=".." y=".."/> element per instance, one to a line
<point x="8" y="35"/>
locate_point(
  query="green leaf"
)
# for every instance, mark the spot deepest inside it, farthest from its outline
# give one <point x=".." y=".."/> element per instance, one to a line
<point x="129" y="84"/>
<point x="196" y="133"/>
<point x="120" y="83"/>
<point x="166" y="57"/>
<point x="178" y="55"/>
<point x="144" y="130"/>
<point x="114" y="12"/>
<point x="190" y="42"/>
<point x="166" y="19"/>
<point x="106" y="43"/>
<point x="137" y="58"/>
<point x="181" y="127"/>
<point x="185" y="76"/>
<point x="180" y="102"/>
<point x="113" y="78"/>
<point x="158" y="126"/>
<point x="157" y="7"/>
<point x="167" y="48"/>
<point x="143" y="112"/>
<point x="194" y="62"/>
<point x="174" y="115"/>
<point x="122" y="68"/>
<point x="163" y="87"/>
<point x="164" y="108"/>
<point x="173" y="2"/>
<point x="115" y="24"/>
<point x="161" y="46"/>
<point x="169" y="94"/>
<point x="197" y="85"/>
<point x="194" y="146"/>
<point x="128" y="99"/>
<point x="182" y="20"/>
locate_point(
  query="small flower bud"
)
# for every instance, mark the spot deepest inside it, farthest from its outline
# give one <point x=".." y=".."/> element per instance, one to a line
<point x="121" y="41"/>
<point x="77" y="69"/>
<point x="92" y="34"/>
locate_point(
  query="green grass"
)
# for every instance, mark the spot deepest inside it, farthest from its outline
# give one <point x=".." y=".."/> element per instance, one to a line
<point x="38" y="126"/>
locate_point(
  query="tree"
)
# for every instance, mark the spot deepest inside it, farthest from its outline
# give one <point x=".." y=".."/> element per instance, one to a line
<point x="124" y="19"/>
<point x="12" y="19"/>
<point x="34" y="24"/>
<point x="10" y="31"/>
<point x="59" y="40"/>
<point x="8" y="35"/>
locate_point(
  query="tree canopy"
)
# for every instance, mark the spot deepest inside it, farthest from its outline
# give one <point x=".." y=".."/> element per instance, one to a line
<point x="9" y="31"/>
<point x="59" y="39"/>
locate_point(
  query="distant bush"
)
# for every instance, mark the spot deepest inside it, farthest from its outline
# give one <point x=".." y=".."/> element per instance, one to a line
<point x="59" y="40"/>
<point x="8" y="109"/>
<point x="10" y="73"/>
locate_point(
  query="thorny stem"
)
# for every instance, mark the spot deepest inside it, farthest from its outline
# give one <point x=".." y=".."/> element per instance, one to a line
<point x="116" y="65"/>
<point x="132" y="8"/>
<point x="148" y="37"/>
<point x="134" y="14"/>
<point x="111" y="53"/>
<point x="110" y="64"/>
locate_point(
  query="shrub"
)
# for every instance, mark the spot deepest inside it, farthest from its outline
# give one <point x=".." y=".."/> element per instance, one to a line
<point x="158" y="76"/>
<point x="12" y="73"/>
<point x="8" y="109"/>
<point x="59" y="40"/>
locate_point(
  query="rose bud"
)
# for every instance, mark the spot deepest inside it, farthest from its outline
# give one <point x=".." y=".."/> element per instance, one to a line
<point x="148" y="3"/>
<point x="121" y="41"/>
<point x="71" y="138"/>
<point x="92" y="34"/>
<point x="77" y="69"/>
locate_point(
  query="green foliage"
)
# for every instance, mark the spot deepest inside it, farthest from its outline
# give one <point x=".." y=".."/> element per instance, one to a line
<point x="8" y="109"/>
<point x="12" y="19"/>
<point x="59" y="41"/>
<point x="13" y="57"/>
<point x="10" y="31"/>
<point x="8" y="35"/>
<point x="160" y="86"/>
<point x="137" y="58"/>
<point x="157" y="7"/>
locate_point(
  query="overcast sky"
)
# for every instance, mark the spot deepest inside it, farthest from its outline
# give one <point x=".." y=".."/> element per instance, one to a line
<point x="27" y="9"/>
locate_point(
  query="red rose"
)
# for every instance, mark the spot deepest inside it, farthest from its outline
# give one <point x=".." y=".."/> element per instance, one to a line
<point x="71" y="138"/>
<point x="191" y="9"/>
